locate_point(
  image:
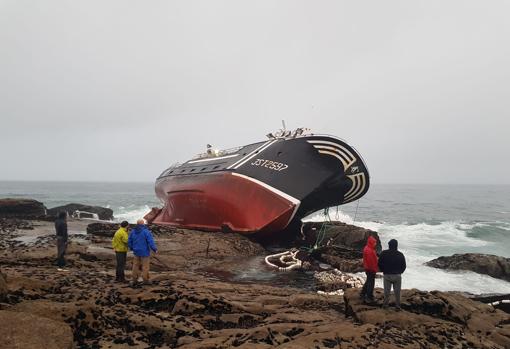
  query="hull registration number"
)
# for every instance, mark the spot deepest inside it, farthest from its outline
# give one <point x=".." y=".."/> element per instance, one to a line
<point x="272" y="165"/>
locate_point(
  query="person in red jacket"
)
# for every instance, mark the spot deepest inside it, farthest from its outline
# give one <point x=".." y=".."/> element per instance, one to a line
<point x="370" y="266"/>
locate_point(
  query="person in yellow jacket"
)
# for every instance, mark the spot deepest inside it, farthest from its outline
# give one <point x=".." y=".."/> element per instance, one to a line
<point x="120" y="246"/>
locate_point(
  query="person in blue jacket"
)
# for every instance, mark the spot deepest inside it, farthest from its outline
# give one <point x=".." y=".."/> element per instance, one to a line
<point x="141" y="242"/>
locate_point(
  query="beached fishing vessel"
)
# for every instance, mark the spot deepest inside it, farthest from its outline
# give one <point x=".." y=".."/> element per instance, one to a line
<point x="261" y="187"/>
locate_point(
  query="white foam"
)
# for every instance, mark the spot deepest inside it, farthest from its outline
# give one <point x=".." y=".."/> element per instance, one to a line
<point x="334" y="215"/>
<point x="423" y="242"/>
<point x="131" y="214"/>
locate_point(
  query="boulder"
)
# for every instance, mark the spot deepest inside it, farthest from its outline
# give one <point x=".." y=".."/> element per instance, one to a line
<point x="21" y="208"/>
<point x="495" y="266"/>
<point x="102" y="212"/>
<point x="341" y="244"/>
<point x="339" y="233"/>
<point x="342" y="258"/>
<point x="102" y="229"/>
<point x="24" y="330"/>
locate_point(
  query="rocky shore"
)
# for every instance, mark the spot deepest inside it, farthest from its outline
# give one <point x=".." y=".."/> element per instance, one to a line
<point x="200" y="297"/>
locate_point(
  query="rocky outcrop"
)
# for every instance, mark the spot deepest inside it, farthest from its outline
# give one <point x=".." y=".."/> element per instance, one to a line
<point x="341" y="244"/>
<point x="431" y="320"/>
<point x="342" y="258"/>
<point x="187" y="307"/>
<point x="102" y="212"/>
<point x="21" y="208"/>
<point x="23" y="330"/>
<point x="338" y="233"/>
<point x="495" y="266"/>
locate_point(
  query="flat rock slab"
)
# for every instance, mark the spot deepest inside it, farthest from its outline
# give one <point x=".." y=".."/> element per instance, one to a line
<point x="25" y="331"/>
<point x="495" y="266"/>
<point x="433" y="320"/>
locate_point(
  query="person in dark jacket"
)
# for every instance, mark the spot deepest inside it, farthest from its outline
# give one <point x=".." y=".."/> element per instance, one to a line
<point x="62" y="237"/>
<point x="370" y="266"/>
<point x="141" y="242"/>
<point x="392" y="263"/>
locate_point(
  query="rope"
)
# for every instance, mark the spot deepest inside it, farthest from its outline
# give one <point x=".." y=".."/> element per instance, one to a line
<point x="287" y="258"/>
<point x="356" y="213"/>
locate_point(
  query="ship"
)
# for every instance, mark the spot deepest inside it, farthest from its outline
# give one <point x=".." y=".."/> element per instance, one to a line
<point x="260" y="188"/>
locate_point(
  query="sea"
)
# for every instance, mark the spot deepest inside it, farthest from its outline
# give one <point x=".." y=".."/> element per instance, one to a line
<point x="428" y="221"/>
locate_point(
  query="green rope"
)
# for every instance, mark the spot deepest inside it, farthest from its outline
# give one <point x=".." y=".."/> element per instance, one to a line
<point x="322" y="231"/>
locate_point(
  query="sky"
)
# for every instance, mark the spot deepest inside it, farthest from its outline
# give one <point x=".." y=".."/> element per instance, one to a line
<point x="119" y="90"/>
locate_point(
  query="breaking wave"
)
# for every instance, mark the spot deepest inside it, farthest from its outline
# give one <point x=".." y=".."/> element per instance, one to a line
<point x="130" y="213"/>
<point x="423" y="242"/>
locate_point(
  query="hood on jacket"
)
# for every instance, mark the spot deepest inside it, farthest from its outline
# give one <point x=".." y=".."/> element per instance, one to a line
<point x="393" y="244"/>
<point x="371" y="242"/>
<point x="138" y="228"/>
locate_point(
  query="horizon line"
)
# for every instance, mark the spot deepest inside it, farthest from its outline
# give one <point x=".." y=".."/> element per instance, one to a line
<point x="147" y="182"/>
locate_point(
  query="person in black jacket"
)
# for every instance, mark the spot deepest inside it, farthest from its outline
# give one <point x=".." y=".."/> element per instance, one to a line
<point x="61" y="230"/>
<point x="392" y="263"/>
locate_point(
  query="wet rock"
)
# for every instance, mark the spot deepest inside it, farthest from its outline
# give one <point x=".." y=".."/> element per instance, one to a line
<point x="102" y="212"/>
<point x="495" y="266"/>
<point x="346" y="259"/>
<point x="21" y="208"/>
<point x="341" y="245"/>
<point x="24" y="330"/>
<point x="339" y="234"/>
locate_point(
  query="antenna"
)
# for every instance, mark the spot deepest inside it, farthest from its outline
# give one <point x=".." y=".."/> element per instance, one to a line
<point x="284" y="128"/>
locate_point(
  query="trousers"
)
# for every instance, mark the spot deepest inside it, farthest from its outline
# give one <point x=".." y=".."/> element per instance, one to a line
<point x="141" y="265"/>
<point x="394" y="280"/>
<point x="121" y="265"/>
<point x="367" y="291"/>
<point x="61" y="251"/>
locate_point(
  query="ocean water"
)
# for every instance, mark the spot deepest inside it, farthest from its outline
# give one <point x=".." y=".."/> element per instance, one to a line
<point x="428" y="221"/>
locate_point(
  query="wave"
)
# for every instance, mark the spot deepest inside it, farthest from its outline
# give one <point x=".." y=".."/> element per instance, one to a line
<point x="131" y="213"/>
<point x="422" y="242"/>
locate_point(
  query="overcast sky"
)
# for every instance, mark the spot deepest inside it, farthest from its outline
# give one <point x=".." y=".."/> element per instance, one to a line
<point x="118" y="90"/>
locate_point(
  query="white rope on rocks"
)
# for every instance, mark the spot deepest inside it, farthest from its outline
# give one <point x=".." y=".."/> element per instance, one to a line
<point x="504" y="301"/>
<point x="287" y="260"/>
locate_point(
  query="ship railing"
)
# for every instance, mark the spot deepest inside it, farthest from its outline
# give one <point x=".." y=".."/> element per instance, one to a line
<point x="285" y="134"/>
<point x="212" y="153"/>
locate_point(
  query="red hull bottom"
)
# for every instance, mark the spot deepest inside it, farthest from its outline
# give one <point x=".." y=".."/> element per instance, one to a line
<point x="223" y="201"/>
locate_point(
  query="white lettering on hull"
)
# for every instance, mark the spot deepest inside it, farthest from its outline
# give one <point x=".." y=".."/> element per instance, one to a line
<point x="272" y="165"/>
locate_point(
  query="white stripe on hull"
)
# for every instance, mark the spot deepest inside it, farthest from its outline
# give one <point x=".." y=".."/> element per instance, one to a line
<point x="253" y="152"/>
<point x="336" y="150"/>
<point x="286" y="196"/>
<point x="359" y="183"/>
<point x="253" y="155"/>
